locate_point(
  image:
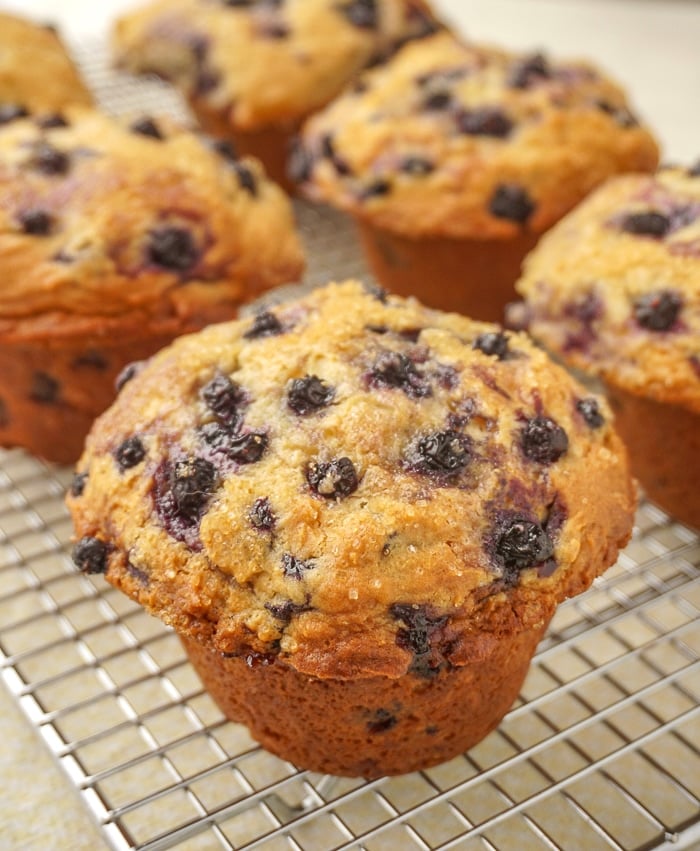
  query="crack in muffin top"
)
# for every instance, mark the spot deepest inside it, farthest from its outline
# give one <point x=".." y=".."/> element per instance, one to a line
<point x="451" y="138"/>
<point x="333" y="533"/>
<point x="614" y="288"/>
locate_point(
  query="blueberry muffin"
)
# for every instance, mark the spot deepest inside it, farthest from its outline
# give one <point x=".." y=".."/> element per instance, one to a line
<point x="359" y="514"/>
<point x="614" y="289"/>
<point x="36" y="73"/>
<point x="253" y="70"/>
<point x="113" y="240"/>
<point x="454" y="158"/>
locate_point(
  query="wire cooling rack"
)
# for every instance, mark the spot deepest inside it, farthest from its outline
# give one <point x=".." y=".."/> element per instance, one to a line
<point x="600" y="750"/>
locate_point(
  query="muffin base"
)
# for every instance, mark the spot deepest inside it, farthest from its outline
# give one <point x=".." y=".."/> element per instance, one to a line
<point x="53" y="391"/>
<point x="664" y="446"/>
<point x="270" y="145"/>
<point x="469" y="276"/>
<point x="367" y="727"/>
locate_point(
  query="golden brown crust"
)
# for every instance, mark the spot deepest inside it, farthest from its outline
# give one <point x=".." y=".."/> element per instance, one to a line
<point x="260" y="65"/>
<point x="101" y="224"/>
<point x="35" y="70"/>
<point x="460" y="140"/>
<point x="615" y="287"/>
<point x="336" y="532"/>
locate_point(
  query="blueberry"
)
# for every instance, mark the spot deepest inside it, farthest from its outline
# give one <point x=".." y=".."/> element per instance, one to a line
<point x="620" y="114"/>
<point x="129" y="371"/>
<point x="485" y="121"/>
<point x="45" y="389"/>
<point x="259" y="660"/>
<point x="329" y="152"/>
<point x="333" y="479"/>
<point x="658" y="311"/>
<point x="90" y="555"/>
<point x="52" y="121"/>
<point x="295" y="568"/>
<point x="242" y="448"/>
<point x="191" y="484"/>
<point x="49" y="160"/>
<point x="77" y="485"/>
<point x="396" y="370"/>
<point x="511" y="202"/>
<point x="286" y="610"/>
<point x="223" y="397"/>
<point x="520" y="543"/>
<point x="422" y="628"/>
<point x="261" y="515"/>
<point x="417" y="166"/>
<point x="361" y="13"/>
<point x="129" y="453"/>
<point x="309" y="394"/>
<point x="225" y="148"/>
<point x="246" y="179"/>
<point x="206" y="81"/>
<point x="11" y="112"/>
<point x="590" y="411"/>
<point x="376" y="189"/>
<point x="493" y="343"/>
<point x="172" y="248"/>
<point x="146" y="126"/>
<point x="265" y="324"/>
<point x="438" y="101"/>
<point x="446" y="453"/>
<point x="650" y="223"/>
<point x="36" y="222"/>
<point x="382" y="721"/>
<point x="543" y="440"/>
<point x="529" y="71"/>
<point x="300" y="163"/>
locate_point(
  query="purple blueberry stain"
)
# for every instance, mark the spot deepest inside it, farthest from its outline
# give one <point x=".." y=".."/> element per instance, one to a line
<point x="442" y="454"/>
<point x="224" y="398"/>
<point x="308" y="395"/>
<point x="512" y="202"/>
<point x="300" y="163"/>
<point x="590" y="411"/>
<point x="265" y="324"/>
<point x="129" y="453"/>
<point x="295" y="568"/>
<point x="334" y="479"/>
<point x="395" y="370"/>
<point x="586" y="310"/>
<point x="172" y="248"/>
<point x="90" y="555"/>
<point x="261" y="516"/>
<point x="543" y="440"/>
<point x="658" y="311"/>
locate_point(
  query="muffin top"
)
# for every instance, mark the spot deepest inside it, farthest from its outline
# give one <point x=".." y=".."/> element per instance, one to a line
<point x="264" y="62"/>
<point x="459" y="140"/>
<point x="352" y="483"/>
<point x="615" y="287"/>
<point x="147" y="221"/>
<point x="36" y="74"/>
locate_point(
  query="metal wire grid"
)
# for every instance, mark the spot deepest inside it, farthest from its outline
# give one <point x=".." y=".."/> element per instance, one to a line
<point x="599" y="752"/>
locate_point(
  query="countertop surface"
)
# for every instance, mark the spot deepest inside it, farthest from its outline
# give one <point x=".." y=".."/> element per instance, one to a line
<point x="651" y="47"/>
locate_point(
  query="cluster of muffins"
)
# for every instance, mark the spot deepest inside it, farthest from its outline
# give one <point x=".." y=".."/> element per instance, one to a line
<point x="359" y="513"/>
